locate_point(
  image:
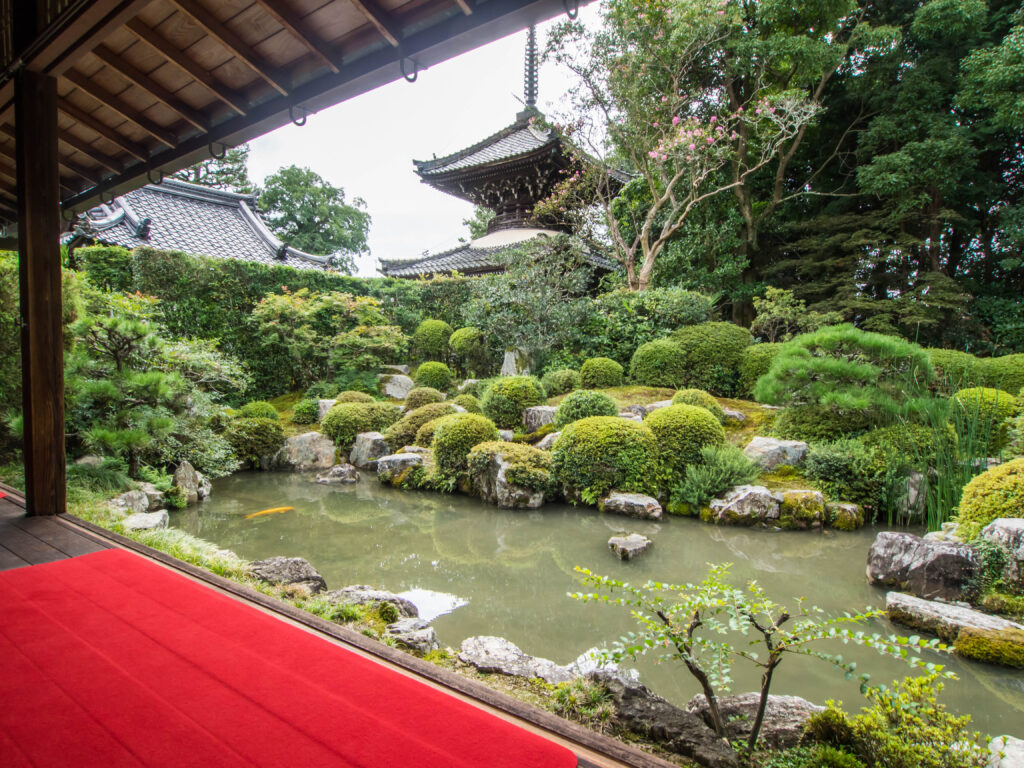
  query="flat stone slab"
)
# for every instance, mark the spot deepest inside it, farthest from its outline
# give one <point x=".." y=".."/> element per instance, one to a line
<point x="289" y="571"/>
<point x="628" y="547"/>
<point x="1007" y="752"/>
<point x="496" y="654"/>
<point x="744" y="505"/>
<point x="632" y="505"/>
<point x="946" y="620"/>
<point x="146" y="521"/>
<point x="770" y="452"/>
<point x="734" y="415"/>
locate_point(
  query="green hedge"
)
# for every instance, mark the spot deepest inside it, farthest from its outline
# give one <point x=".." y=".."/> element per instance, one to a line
<point x="561" y="381"/>
<point x="470" y="403"/>
<point x="701" y="399"/>
<point x="253" y="439"/>
<point x="507" y="398"/>
<point x="430" y="341"/>
<point x="713" y="353"/>
<point x="306" y="412"/>
<point x="421" y="396"/>
<point x="346" y="420"/>
<point x="582" y="404"/>
<point x="602" y="453"/>
<point x="600" y="373"/>
<point x="469" y="348"/>
<point x="660" y="363"/>
<point x="258" y="409"/>
<point x="754" y="363"/>
<point x="455" y="437"/>
<point x="403" y="432"/>
<point x="434" y="375"/>
<point x="681" y="431"/>
<point x="999" y="492"/>
<point x="528" y="467"/>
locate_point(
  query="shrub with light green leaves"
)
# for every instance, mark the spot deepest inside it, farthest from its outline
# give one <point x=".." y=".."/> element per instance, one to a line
<point x="403" y="432"/>
<point x="507" y="398"/>
<point x="561" y="381"/>
<point x="253" y="439"/>
<point x="421" y="396"/>
<point x="985" y="413"/>
<point x="721" y="467"/>
<point x="456" y="436"/>
<point x="258" y="409"/>
<point x="701" y="399"/>
<point x="425" y="434"/>
<point x="346" y="420"/>
<point x="352" y="396"/>
<point x="435" y="375"/>
<point x="469" y="348"/>
<point x="583" y="403"/>
<point x="1005" y="373"/>
<point x="999" y="492"/>
<point x="681" y="431"/>
<point x="600" y="373"/>
<point x="660" y="363"/>
<point x="470" y="403"/>
<point x="817" y="423"/>
<point x="306" y="412"/>
<point x="430" y="340"/>
<point x="528" y="467"/>
<point x="754" y="363"/>
<point x="602" y="453"/>
<point x="955" y="369"/>
<point x="713" y="353"/>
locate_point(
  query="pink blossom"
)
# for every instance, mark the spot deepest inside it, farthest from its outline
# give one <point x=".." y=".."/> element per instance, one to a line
<point x="664" y="99"/>
<point x="655" y="125"/>
<point x="714" y="119"/>
<point x="692" y="147"/>
<point x="757" y="111"/>
<point x="675" y="120"/>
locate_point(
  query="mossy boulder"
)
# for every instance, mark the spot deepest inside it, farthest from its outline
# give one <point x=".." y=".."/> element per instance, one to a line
<point x="403" y="432"/>
<point x="511" y="475"/>
<point x="801" y="510"/>
<point x="346" y="420"/>
<point x="595" y="455"/>
<point x="680" y="432"/>
<point x="507" y="398"/>
<point x="600" y="373"/>
<point x="421" y="396"/>
<point x="455" y="437"/>
<point x="844" y="516"/>
<point x="583" y="403"/>
<point x="701" y="399"/>
<point x="999" y="492"/>
<point x="1004" y="646"/>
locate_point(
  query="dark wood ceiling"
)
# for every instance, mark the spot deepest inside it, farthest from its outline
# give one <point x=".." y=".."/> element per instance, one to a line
<point x="147" y="87"/>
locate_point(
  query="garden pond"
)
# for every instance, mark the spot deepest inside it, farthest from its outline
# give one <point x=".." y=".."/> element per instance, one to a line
<point x="478" y="570"/>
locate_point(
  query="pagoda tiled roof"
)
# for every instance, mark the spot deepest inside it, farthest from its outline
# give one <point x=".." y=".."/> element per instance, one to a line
<point x="197" y="220"/>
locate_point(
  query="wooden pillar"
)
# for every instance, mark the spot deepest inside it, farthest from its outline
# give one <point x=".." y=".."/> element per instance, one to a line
<point x="42" y="336"/>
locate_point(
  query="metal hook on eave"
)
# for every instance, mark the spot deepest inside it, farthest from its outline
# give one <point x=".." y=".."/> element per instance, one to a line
<point x="160" y="178"/>
<point x="291" y="116"/>
<point x="572" y="12"/>
<point x="223" y="151"/>
<point x="415" y="70"/>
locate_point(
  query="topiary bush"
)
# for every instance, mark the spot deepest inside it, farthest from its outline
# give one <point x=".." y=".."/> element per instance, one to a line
<point x="1005" y="373"/>
<point x="456" y="436"/>
<point x="469" y="348"/>
<point x="600" y="373"/>
<point x="818" y="423"/>
<point x="425" y="434"/>
<point x="306" y="412"/>
<point x="955" y="369"/>
<point x="435" y="375"/>
<point x="430" y="340"/>
<point x="506" y="399"/>
<point x="421" y="396"/>
<point x="660" y="363"/>
<point x="999" y="492"/>
<point x="598" y="454"/>
<point x="561" y="381"/>
<point x="351" y="396"/>
<point x="982" y="415"/>
<point x="403" y="432"/>
<point x="701" y="399"/>
<point x="258" y="409"/>
<point x="681" y="431"/>
<point x="470" y="403"/>
<point x="253" y="438"/>
<point x="755" y="361"/>
<point x="529" y="467"/>
<point x="346" y="420"/>
<point x="713" y="353"/>
<point x="583" y="403"/>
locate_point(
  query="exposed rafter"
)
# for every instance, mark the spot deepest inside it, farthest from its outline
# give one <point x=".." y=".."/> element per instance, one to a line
<point x="88" y="150"/>
<point x="84" y="118"/>
<point x="299" y="30"/>
<point x="381" y="19"/>
<point x="465" y="5"/>
<point x="117" y="104"/>
<point x="74" y="168"/>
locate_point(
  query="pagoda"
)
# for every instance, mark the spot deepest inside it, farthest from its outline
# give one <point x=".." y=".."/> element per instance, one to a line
<point x="508" y="173"/>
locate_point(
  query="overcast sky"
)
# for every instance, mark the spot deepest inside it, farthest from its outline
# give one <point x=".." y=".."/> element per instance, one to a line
<point x="367" y="144"/>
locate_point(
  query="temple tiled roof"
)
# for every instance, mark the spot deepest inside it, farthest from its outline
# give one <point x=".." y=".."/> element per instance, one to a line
<point x="195" y="219"/>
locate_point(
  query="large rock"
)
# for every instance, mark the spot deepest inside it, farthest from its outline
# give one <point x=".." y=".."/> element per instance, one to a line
<point x="132" y="502"/>
<point x="642" y="712"/>
<point x="324" y="406"/>
<point x="397" y="386"/>
<point x="632" y="505"/>
<point x="368" y="447"/>
<point x="289" y="571"/>
<point x="636" y="410"/>
<point x="395" y="369"/>
<point x="548" y="441"/>
<point x="928" y="569"/>
<point x="155" y="497"/>
<point x="415" y="634"/>
<point x="844" y="516"/>
<point x="515" y="363"/>
<point x="146" y="521"/>
<point x="734" y="415"/>
<point x="802" y="509"/>
<point x="537" y="416"/>
<point x="651" y="407"/>
<point x="744" y="505"/>
<point x="467" y="385"/>
<point x="362" y="594"/>
<point x="339" y="474"/>
<point x="947" y="620"/>
<point x="507" y="435"/>
<point x="186" y="478"/>
<point x="391" y="467"/>
<point x="304" y="453"/>
<point x="631" y="416"/>
<point x="496" y="654"/>
<point x="1007" y="533"/>
<point x="494" y="486"/>
<point x="1007" y="752"/>
<point x="628" y="547"/>
<point x="785" y="717"/>
<point x="771" y="452"/>
<point x="205" y="486"/>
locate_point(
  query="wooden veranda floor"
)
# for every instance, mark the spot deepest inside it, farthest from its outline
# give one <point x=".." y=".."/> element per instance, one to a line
<point x="35" y="540"/>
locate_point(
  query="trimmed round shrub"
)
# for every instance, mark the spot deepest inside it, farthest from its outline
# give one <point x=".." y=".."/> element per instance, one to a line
<point x="258" y="409"/>
<point x="403" y="432"/>
<point x="955" y="369"/>
<point x="602" y="453"/>
<point x="470" y="403"/>
<point x="430" y="340"/>
<point x="819" y="423"/>
<point x="999" y="492"/>
<point x="713" y="353"/>
<point x="469" y="347"/>
<point x="252" y="439"/>
<point x="351" y="396"/>
<point x="321" y="390"/>
<point x="507" y="398"/>
<point x="456" y="436"/>
<point x="658" y="363"/>
<point x="346" y="420"/>
<point x="425" y="434"/>
<point x="561" y="381"/>
<point x="421" y="396"/>
<point x="306" y="412"/>
<point x="1005" y="373"/>
<point x="435" y="375"/>
<point x="755" y="361"/>
<point x="529" y="467"/>
<point x="584" y="403"/>
<point x="983" y="413"/>
<point x="600" y="373"/>
<point x="680" y="431"/>
<point x="701" y="399"/>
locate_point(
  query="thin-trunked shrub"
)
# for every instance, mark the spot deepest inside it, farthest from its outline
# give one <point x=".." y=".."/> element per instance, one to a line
<point x="754" y="363"/>
<point x="602" y="453"/>
<point x="720" y="468"/>
<point x="529" y="467"/>
<point x="999" y="492"/>
<point x="469" y="349"/>
<point x="353" y="396"/>
<point x="985" y="413"/>
<point x="583" y="403"/>
<point x="421" y="396"/>
<point x="258" y="409"/>
<point x="252" y="439"/>
<point x="306" y="412"/>
<point x="435" y="375"/>
<point x="818" y="423"/>
<point x="701" y="399"/>
<point x="507" y="398"/>
<point x="456" y="436"/>
<point x="660" y="363"/>
<point x="403" y="432"/>
<point x="600" y="373"/>
<point x="561" y="381"/>
<point x="430" y="341"/>
<point x="470" y="403"/>
<point x="681" y="431"/>
<point x="713" y="352"/>
<point x="346" y="420"/>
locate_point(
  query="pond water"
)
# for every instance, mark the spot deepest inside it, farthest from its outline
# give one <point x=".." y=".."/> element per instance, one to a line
<point x="501" y="572"/>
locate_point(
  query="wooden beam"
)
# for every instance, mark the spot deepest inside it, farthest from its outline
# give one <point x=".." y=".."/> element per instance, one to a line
<point x="208" y="22"/>
<point x="89" y="150"/>
<point x="466" y="6"/>
<point x="381" y="19"/>
<point x="299" y="30"/>
<point x="178" y="58"/>
<point x="42" y="335"/>
<point x="105" y="97"/>
<point x="104" y="130"/>
<point x="8" y="171"/>
<point x="75" y="168"/>
<point x="139" y="78"/>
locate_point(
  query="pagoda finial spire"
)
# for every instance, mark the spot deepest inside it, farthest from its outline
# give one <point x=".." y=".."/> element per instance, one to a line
<point x="530" y="76"/>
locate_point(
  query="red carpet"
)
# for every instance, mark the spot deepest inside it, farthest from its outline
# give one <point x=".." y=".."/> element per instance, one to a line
<point x="110" y="660"/>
